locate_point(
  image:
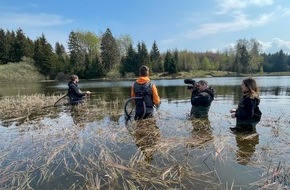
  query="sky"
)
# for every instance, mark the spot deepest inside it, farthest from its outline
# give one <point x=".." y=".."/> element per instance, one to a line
<point x="193" y="25"/>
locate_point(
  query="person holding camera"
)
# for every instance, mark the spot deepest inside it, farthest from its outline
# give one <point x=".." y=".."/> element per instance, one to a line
<point x="201" y="97"/>
<point x="148" y="91"/>
<point x="248" y="113"/>
<point x="74" y="93"/>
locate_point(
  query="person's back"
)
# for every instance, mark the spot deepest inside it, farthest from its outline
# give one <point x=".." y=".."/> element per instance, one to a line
<point x="147" y="92"/>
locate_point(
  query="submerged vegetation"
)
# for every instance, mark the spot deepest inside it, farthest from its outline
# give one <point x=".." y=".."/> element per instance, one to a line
<point x="90" y="147"/>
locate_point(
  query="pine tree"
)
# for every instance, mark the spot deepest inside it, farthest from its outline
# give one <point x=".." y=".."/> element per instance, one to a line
<point x="19" y="46"/>
<point x="110" y="54"/>
<point x="76" y="56"/>
<point x="4" y="57"/>
<point x="62" y="58"/>
<point x="44" y="56"/>
<point x="142" y="57"/>
<point x="155" y="59"/>
<point x="169" y="63"/>
<point x="130" y="63"/>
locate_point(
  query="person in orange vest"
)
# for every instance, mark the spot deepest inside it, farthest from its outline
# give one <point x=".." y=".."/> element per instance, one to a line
<point x="144" y="88"/>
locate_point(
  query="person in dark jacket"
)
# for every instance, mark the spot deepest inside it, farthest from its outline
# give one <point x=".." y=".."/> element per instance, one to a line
<point x="201" y="97"/>
<point x="144" y="88"/>
<point x="74" y="93"/>
<point x="248" y="113"/>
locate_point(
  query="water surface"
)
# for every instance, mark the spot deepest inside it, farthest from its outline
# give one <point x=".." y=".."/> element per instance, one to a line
<point x="246" y="161"/>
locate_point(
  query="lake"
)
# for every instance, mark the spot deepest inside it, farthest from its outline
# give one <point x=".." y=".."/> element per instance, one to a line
<point x="105" y="151"/>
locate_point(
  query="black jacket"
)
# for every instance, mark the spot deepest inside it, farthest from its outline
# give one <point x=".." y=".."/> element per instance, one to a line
<point x="74" y="93"/>
<point x="203" y="98"/>
<point x="201" y="102"/>
<point x="246" y="108"/>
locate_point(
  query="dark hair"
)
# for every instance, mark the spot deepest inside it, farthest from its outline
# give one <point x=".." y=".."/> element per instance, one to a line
<point x="73" y="77"/>
<point x="144" y="71"/>
<point x="203" y="82"/>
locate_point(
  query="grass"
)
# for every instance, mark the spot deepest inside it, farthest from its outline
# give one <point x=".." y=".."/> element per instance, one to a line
<point x="19" y="72"/>
<point x="22" y="107"/>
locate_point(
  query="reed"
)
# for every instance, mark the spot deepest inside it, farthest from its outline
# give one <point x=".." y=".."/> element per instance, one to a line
<point x="90" y="153"/>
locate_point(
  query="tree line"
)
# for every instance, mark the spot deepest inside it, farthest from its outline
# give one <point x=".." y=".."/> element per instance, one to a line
<point x="94" y="56"/>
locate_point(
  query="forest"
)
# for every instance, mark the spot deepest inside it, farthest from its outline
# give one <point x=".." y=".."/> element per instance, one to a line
<point x="94" y="56"/>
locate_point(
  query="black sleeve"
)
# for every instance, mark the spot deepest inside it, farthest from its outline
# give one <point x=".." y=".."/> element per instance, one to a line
<point x="246" y="109"/>
<point x="76" y="91"/>
<point x="200" y="99"/>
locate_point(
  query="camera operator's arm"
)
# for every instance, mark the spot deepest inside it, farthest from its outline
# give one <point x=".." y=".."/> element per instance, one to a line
<point x="201" y="99"/>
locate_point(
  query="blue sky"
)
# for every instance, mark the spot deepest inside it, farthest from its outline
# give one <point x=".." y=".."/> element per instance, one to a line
<point x="194" y="25"/>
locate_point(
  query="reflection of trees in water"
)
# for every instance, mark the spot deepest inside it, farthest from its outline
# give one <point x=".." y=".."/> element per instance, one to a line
<point x="277" y="90"/>
<point x="146" y="135"/>
<point x="246" y="143"/>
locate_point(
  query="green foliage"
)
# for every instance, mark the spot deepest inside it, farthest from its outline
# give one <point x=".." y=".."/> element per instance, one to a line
<point x="170" y="63"/>
<point x="276" y="62"/>
<point x="62" y="59"/>
<point x="129" y="63"/>
<point x="123" y="42"/>
<point x="187" y="61"/>
<point x="155" y="59"/>
<point x="110" y="54"/>
<point x="142" y="56"/>
<point x="44" y="57"/>
<point x="76" y="55"/>
<point x="92" y="56"/>
<point x="19" y="72"/>
<point x="4" y="57"/>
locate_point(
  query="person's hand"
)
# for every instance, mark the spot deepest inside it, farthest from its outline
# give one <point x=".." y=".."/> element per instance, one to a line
<point x="157" y="106"/>
<point x="88" y="92"/>
<point x="233" y="111"/>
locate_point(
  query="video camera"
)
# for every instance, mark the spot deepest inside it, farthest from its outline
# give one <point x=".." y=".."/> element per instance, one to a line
<point x="190" y="81"/>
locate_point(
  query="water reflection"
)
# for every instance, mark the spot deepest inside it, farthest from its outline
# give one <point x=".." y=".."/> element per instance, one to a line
<point x="171" y="123"/>
<point x="146" y="135"/>
<point x="201" y="131"/>
<point x="246" y="143"/>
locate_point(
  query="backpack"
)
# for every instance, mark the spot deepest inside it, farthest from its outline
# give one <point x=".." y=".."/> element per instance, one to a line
<point x="142" y="90"/>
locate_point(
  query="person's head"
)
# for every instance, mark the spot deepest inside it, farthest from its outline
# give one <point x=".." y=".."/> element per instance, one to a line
<point x="74" y="78"/>
<point x="202" y="85"/>
<point x="250" y="88"/>
<point x="144" y="71"/>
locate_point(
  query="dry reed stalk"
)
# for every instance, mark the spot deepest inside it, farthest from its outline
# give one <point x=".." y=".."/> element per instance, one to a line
<point x="21" y="107"/>
<point x="92" y="182"/>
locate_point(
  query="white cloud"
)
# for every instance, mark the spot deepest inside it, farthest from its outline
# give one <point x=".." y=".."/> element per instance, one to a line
<point x="233" y="5"/>
<point x="272" y="46"/>
<point x="32" y="20"/>
<point x="240" y="22"/>
<point x="275" y="45"/>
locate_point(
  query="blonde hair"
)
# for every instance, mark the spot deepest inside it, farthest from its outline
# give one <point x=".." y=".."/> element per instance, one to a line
<point x="253" y="90"/>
